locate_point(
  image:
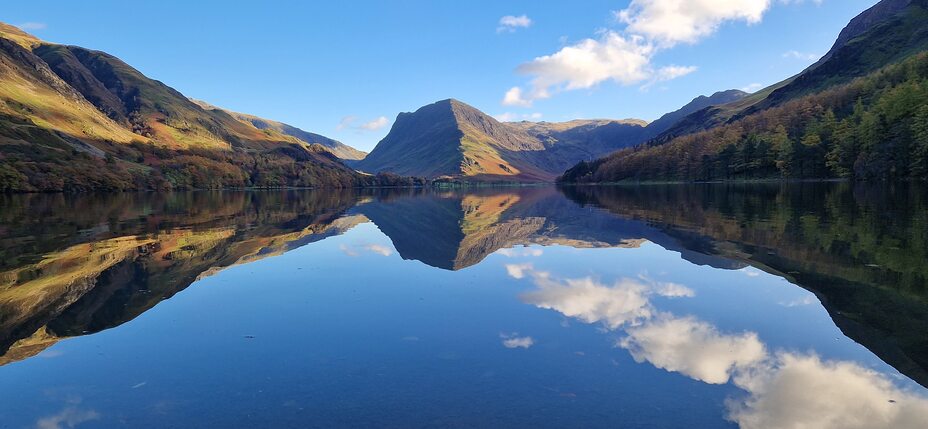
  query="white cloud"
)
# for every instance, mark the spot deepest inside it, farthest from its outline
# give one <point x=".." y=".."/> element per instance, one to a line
<point x="806" y="392"/>
<point x="350" y="122"/>
<point x="32" y="26"/>
<point x="375" y="124"/>
<point x="752" y="88"/>
<point x="346" y="122"/>
<point x="626" y="57"/>
<point x="809" y="299"/>
<point x="674" y="290"/>
<point x="69" y="417"/>
<point x="514" y="97"/>
<point x="506" y="117"/>
<point x="693" y="348"/>
<point x="625" y="302"/>
<point x="513" y="341"/>
<point x="673" y="72"/>
<point x="518" y="271"/>
<point x="354" y="250"/>
<point x="513" y="117"/>
<point x="590" y="301"/>
<point x="800" y="56"/>
<point x="347" y="250"/>
<point x="510" y="23"/>
<point x="379" y="249"/>
<point x="670" y="22"/>
<point x="521" y="251"/>
<point x="668" y="73"/>
<point x="624" y="60"/>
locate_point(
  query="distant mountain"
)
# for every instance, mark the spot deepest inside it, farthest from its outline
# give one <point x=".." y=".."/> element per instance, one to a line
<point x="339" y="149"/>
<point x="664" y="123"/>
<point x="884" y="34"/>
<point x="77" y="119"/>
<point x="451" y="138"/>
<point x="861" y="111"/>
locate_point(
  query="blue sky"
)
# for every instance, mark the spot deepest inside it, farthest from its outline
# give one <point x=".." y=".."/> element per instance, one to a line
<point x="345" y="69"/>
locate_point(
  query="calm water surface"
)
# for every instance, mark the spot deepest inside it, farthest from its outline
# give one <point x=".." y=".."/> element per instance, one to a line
<point x="753" y="306"/>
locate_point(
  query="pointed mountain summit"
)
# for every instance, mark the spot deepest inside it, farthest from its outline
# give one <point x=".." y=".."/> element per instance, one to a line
<point x="451" y="138"/>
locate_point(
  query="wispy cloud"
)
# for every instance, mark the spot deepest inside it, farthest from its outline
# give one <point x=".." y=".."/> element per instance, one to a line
<point x="379" y="249"/>
<point x="512" y="117"/>
<point x="513" y="341"/>
<point x="752" y="87"/>
<point x="347" y="250"/>
<point x="351" y="122"/>
<point x="355" y="250"/>
<point x="346" y="122"/>
<point x="32" y="26"/>
<point x="805" y="56"/>
<point x="69" y="417"/>
<point x="510" y="23"/>
<point x="375" y="124"/>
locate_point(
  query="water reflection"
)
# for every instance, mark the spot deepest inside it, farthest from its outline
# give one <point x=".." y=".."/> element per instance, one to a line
<point x="783" y="389"/>
<point x="78" y="265"/>
<point x="860" y="249"/>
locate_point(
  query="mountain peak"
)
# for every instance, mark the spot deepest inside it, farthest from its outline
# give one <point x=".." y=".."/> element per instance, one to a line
<point x="17" y="35"/>
<point x="666" y="122"/>
<point x="865" y="21"/>
<point x="452" y="138"/>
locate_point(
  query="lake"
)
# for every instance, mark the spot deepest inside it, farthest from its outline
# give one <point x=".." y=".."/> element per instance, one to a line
<point x="678" y="306"/>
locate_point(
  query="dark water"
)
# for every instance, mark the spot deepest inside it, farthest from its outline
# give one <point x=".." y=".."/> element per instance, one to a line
<point x="754" y="306"/>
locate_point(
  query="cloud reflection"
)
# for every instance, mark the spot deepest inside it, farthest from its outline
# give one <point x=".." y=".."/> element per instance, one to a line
<point x="693" y="348"/>
<point x="69" y="417"/>
<point x="514" y="341"/>
<point x="783" y="390"/>
<point x="806" y="392"/>
<point x="590" y="301"/>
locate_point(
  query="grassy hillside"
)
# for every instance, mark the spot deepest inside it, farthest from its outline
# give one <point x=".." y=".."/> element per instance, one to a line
<point x="74" y="119"/>
<point x="339" y="149"/>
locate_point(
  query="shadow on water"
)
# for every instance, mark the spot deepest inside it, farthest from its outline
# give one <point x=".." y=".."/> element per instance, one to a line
<point x="75" y="265"/>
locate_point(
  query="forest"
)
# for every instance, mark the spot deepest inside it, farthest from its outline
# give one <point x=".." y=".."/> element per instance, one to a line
<point x="875" y="127"/>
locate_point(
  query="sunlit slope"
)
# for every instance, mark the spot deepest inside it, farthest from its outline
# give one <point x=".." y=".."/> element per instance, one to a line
<point x="886" y="33"/>
<point x="99" y="284"/>
<point x="451" y="138"/>
<point x="77" y="119"/>
<point x="861" y="111"/>
<point x="337" y="148"/>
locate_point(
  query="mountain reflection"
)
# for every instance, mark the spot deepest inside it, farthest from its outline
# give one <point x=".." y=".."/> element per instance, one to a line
<point x="860" y="249"/>
<point x="74" y="265"/>
<point x="85" y="264"/>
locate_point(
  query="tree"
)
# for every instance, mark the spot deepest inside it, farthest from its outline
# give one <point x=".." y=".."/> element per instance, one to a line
<point x="920" y="143"/>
